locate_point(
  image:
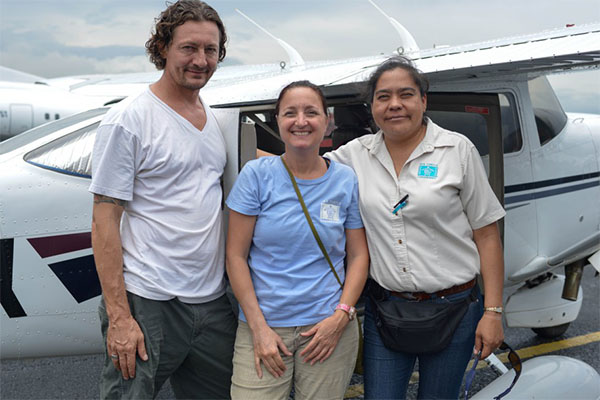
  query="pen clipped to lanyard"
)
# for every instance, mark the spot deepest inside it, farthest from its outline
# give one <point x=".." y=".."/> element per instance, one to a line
<point x="400" y="205"/>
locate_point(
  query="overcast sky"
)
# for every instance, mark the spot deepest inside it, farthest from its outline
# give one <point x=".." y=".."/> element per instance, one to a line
<point x="53" y="38"/>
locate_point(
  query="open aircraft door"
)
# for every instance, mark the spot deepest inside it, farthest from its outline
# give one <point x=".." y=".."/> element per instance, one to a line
<point x="477" y="116"/>
<point x="240" y="144"/>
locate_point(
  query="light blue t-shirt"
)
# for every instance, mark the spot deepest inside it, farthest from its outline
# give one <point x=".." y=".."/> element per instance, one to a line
<point x="293" y="282"/>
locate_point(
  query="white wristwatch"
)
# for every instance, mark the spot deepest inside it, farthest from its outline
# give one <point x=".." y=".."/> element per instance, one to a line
<point x="351" y="311"/>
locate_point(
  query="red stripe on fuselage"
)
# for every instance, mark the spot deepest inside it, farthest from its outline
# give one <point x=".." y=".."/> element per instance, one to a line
<point x="54" y="245"/>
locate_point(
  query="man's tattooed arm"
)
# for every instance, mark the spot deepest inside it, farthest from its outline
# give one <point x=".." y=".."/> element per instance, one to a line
<point x="99" y="198"/>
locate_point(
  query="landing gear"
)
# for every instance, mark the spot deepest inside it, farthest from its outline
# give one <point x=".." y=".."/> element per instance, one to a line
<point x="539" y="306"/>
<point x="550" y="332"/>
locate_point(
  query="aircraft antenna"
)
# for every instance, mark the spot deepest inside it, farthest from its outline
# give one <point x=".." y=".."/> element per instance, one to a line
<point x="296" y="59"/>
<point x="409" y="44"/>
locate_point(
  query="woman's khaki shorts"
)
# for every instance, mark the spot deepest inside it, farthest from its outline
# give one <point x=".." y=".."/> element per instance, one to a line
<point x="327" y="380"/>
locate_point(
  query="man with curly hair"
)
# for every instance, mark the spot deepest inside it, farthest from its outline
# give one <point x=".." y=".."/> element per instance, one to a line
<point x="156" y="226"/>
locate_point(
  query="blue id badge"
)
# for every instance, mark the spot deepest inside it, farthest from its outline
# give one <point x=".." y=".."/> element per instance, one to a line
<point x="429" y="171"/>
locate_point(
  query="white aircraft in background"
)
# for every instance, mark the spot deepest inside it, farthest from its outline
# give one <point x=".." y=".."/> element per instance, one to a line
<point x="27" y="101"/>
<point x="543" y="165"/>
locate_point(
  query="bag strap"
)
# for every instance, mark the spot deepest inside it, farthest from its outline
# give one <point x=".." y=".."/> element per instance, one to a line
<point x="310" y="223"/>
<point x="359" y="364"/>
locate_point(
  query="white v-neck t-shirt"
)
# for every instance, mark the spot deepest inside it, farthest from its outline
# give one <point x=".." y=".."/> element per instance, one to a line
<point x="169" y="173"/>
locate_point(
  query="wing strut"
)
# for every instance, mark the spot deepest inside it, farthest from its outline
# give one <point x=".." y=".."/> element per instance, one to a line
<point x="296" y="59"/>
<point x="409" y="44"/>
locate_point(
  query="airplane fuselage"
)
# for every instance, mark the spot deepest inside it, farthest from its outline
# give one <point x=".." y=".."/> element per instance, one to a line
<point x="50" y="290"/>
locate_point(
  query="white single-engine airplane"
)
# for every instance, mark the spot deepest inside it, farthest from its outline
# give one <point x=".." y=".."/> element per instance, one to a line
<point x="543" y="165"/>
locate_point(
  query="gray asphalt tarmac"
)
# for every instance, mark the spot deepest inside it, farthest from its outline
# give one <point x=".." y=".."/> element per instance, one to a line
<point x="78" y="377"/>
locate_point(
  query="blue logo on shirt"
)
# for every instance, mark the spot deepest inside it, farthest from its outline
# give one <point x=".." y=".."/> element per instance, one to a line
<point x="429" y="171"/>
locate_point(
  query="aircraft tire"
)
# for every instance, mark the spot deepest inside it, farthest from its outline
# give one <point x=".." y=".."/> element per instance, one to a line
<point x="551" y="332"/>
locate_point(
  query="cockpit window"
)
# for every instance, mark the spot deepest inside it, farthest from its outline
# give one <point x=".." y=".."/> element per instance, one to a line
<point x="549" y="115"/>
<point x="70" y="154"/>
<point x="46" y="129"/>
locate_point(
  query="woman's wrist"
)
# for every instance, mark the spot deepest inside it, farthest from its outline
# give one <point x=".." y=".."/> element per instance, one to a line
<point x="348" y="309"/>
<point x="492" y="315"/>
<point x="340" y="316"/>
<point x="256" y="324"/>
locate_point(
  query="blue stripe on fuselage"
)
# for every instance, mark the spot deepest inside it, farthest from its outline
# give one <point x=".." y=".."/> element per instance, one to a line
<point x="551" y="191"/>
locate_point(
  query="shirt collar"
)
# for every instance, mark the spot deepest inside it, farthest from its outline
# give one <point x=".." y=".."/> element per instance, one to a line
<point x="435" y="137"/>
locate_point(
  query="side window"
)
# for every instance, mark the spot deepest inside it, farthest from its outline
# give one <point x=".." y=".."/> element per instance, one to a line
<point x="512" y="139"/>
<point x="549" y="115"/>
<point x="70" y="154"/>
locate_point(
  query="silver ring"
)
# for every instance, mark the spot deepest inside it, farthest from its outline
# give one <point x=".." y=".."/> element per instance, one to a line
<point x="114" y="356"/>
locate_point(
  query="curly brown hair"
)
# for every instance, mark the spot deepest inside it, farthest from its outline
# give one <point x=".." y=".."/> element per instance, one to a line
<point x="175" y="15"/>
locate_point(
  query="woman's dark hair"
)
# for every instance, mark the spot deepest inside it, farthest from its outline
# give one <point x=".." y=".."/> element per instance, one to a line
<point x="301" y="84"/>
<point x="178" y="14"/>
<point x="390" y="64"/>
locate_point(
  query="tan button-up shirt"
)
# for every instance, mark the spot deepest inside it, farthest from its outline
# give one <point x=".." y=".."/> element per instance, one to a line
<point x="427" y="245"/>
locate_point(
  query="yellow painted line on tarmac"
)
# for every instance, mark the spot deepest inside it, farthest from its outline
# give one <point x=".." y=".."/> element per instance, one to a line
<point x="545" y="348"/>
<point x="524" y="353"/>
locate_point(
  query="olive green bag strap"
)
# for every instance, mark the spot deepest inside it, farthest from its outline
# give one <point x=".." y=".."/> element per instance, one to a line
<point x="358" y="367"/>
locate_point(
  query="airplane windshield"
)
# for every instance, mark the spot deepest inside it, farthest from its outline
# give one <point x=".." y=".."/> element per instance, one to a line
<point x="46" y="129"/>
<point x="70" y="154"/>
<point x="549" y="115"/>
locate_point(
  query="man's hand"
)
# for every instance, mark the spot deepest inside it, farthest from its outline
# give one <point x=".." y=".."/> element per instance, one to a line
<point x="124" y="341"/>
<point x="124" y="338"/>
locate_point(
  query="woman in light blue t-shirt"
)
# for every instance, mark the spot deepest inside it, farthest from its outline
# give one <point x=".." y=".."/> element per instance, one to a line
<point x="294" y="316"/>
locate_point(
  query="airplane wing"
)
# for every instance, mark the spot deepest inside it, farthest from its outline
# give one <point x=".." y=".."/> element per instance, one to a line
<point x="536" y="54"/>
<point x="563" y="49"/>
<point x="120" y="85"/>
<point x="556" y="50"/>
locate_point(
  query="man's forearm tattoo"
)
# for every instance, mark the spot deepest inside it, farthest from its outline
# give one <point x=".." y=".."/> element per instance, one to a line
<point x="98" y="198"/>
